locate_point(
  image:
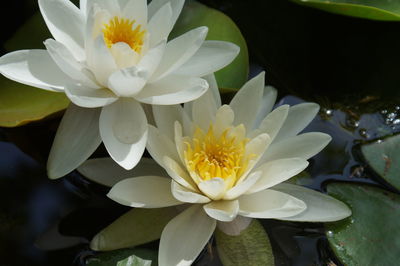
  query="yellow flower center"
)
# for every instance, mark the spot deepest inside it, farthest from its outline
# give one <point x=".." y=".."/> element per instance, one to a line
<point x="122" y="30"/>
<point x="211" y="156"/>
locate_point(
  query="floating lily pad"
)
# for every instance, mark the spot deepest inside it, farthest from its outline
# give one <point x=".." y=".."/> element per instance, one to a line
<point x="21" y="104"/>
<point x="384" y="159"/>
<point x="115" y="257"/>
<point x="222" y="28"/>
<point x="376" y="10"/>
<point x="251" y="247"/>
<point x="371" y="235"/>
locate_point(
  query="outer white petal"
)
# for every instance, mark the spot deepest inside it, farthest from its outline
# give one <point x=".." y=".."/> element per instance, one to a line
<point x="159" y="25"/>
<point x="76" y="139"/>
<point x="107" y="172"/>
<point x="185" y="195"/>
<point x="247" y="101"/>
<point x="212" y="82"/>
<point x="180" y="50"/>
<point x="267" y="103"/>
<point x="127" y="82"/>
<point x="159" y="146"/>
<point x="303" y="146"/>
<point x="82" y="6"/>
<point x="123" y="129"/>
<point x="150" y="61"/>
<point x="211" y="57"/>
<point x="89" y="98"/>
<point x="185" y="236"/>
<point x="243" y="186"/>
<point x="173" y="90"/>
<point x="276" y="172"/>
<point x="299" y="117"/>
<point x="176" y="6"/>
<point x="204" y="110"/>
<point x="273" y="122"/>
<point x="66" y="23"/>
<point x="136" y="10"/>
<point x="213" y="188"/>
<point x="320" y="207"/>
<point x="144" y="192"/>
<point x="34" y="68"/>
<point x="68" y="64"/>
<point x="270" y="204"/>
<point x="224" y="210"/>
<point x="165" y="117"/>
<point x="180" y="175"/>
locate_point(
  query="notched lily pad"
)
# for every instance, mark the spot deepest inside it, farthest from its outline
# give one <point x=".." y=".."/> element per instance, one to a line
<point x="384" y="158"/>
<point x="370" y="235"/>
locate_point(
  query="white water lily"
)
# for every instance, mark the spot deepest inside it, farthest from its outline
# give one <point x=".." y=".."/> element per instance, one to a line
<point x="110" y="57"/>
<point x="229" y="161"/>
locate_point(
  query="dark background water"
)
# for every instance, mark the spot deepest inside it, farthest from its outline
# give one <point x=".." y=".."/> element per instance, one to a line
<point x="349" y="66"/>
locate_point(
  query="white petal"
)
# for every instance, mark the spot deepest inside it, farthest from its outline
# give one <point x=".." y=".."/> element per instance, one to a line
<point x="180" y="175"/>
<point x="76" y="139"/>
<point x="320" y="207"/>
<point x="136" y="10"/>
<point x="68" y="64"/>
<point x="204" y="110"/>
<point x="247" y="101"/>
<point x="303" y="146"/>
<point x="89" y="98"/>
<point x="124" y="56"/>
<point x="123" y="129"/>
<point x="160" y="25"/>
<point x="34" y="68"/>
<point x="277" y="171"/>
<point x="180" y="50"/>
<point x="82" y="6"/>
<point x="185" y="236"/>
<point x="274" y="121"/>
<point x="179" y="141"/>
<point x="270" y="204"/>
<point x="299" y="117"/>
<point x="224" y="210"/>
<point x="223" y="119"/>
<point x="107" y="172"/>
<point x="212" y="82"/>
<point x="144" y="192"/>
<point x="183" y="194"/>
<point x="267" y="104"/>
<point x="66" y="23"/>
<point x="173" y="90"/>
<point x="176" y="6"/>
<point x="110" y="6"/>
<point x="127" y="82"/>
<point x="152" y="59"/>
<point x="213" y="188"/>
<point x="159" y="146"/>
<point x="243" y="186"/>
<point x="165" y="117"/>
<point x="211" y="57"/>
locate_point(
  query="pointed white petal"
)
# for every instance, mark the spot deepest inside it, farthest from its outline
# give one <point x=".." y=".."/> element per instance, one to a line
<point x="123" y="55"/>
<point x="276" y="172"/>
<point x="212" y="82"/>
<point x="185" y="195"/>
<point x="76" y="139"/>
<point x="204" y="110"/>
<point x="180" y="50"/>
<point x="247" y="101"/>
<point x="82" y="6"/>
<point x="243" y="186"/>
<point x="211" y="57"/>
<point x="303" y="146"/>
<point x="150" y="61"/>
<point x="173" y="90"/>
<point x="185" y="236"/>
<point x="127" y="82"/>
<point x="320" y="207"/>
<point x="213" y="188"/>
<point x="223" y="119"/>
<point x="66" y="23"/>
<point x="34" y="68"/>
<point x="180" y="175"/>
<point x="107" y="172"/>
<point x="270" y="204"/>
<point x="179" y="141"/>
<point x="136" y="10"/>
<point x="89" y="98"/>
<point x="144" y="192"/>
<point x="165" y="117"/>
<point x="159" y="146"/>
<point x="299" y="117"/>
<point x="123" y="129"/>
<point x="176" y="6"/>
<point x="110" y="6"/>
<point x="223" y="210"/>
<point x="160" y="25"/>
<point x="267" y="103"/>
<point x="273" y="121"/>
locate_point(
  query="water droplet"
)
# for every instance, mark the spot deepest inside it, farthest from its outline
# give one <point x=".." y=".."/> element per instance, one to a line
<point x="363" y="133"/>
<point x="329" y="233"/>
<point x="384" y="112"/>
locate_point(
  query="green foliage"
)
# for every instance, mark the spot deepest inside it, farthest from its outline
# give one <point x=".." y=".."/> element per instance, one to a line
<point x="120" y="257"/>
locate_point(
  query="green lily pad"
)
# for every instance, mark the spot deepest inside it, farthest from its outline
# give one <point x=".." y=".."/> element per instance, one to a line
<point x="370" y="9"/>
<point x="21" y="104"/>
<point x="384" y="159"/>
<point x="222" y="28"/>
<point x="117" y="257"/>
<point x="371" y="235"/>
<point x="136" y="227"/>
<point x="251" y="247"/>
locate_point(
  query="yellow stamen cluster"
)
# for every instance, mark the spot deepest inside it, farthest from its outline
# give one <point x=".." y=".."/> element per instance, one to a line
<point x="211" y="156"/>
<point x="122" y="30"/>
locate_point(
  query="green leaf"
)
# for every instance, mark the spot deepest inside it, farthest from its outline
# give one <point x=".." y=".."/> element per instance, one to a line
<point x="251" y="247"/>
<point x="384" y="158"/>
<point x="387" y="10"/>
<point x="134" y="261"/>
<point x="21" y="104"/>
<point x="222" y="28"/>
<point x="371" y="235"/>
<point x="117" y="257"/>
<point x="136" y="227"/>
